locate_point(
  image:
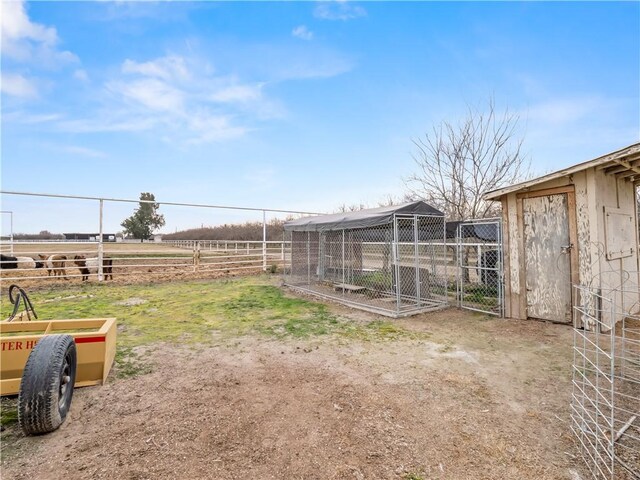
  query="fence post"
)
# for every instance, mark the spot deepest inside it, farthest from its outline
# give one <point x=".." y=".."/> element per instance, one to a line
<point x="264" y="240"/>
<point x="459" y="266"/>
<point x="343" y="265"/>
<point x="11" y="232"/>
<point x="196" y="255"/>
<point x="100" y="245"/>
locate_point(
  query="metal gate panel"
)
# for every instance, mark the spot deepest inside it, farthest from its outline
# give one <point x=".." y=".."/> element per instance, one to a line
<point x="479" y="262"/>
<point x="605" y="400"/>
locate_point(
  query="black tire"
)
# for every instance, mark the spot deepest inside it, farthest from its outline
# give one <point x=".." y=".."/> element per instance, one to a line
<point x="46" y="388"/>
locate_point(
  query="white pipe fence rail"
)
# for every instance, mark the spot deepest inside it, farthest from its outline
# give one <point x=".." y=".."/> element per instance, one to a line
<point x="119" y="260"/>
<point x="144" y="259"/>
<point x="202" y="258"/>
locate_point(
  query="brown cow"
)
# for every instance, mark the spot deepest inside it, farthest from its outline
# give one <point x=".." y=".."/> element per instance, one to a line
<point x="56" y="264"/>
<point x="88" y="266"/>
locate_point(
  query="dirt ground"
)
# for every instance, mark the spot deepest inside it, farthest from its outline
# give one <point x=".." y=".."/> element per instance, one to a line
<point x="483" y="398"/>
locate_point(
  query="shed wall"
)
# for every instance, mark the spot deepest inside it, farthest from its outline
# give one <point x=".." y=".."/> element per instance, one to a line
<point x="593" y="193"/>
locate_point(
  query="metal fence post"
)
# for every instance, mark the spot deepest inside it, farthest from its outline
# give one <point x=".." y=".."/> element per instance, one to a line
<point x="11" y="232"/>
<point x="309" y="258"/>
<point x="416" y="253"/>
<point x="100" y="245"/>
<point x="264" y="240"/>
<point x="395" y="251"/>
<point x="343" y="264"/>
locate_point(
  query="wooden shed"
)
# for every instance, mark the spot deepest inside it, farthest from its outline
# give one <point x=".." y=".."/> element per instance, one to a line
<point x="576" y="226"/>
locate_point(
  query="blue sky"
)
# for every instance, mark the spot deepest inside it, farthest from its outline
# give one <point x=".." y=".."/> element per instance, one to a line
<point x="301" y="106"/>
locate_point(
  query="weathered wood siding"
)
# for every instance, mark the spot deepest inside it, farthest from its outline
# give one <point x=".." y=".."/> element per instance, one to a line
<point x="617" y="277"/>
<point x="593" y="191"/>
<point x="546" y="259"/>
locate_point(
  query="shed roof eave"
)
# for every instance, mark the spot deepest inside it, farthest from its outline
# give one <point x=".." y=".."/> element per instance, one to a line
<point x="612" y="157"/>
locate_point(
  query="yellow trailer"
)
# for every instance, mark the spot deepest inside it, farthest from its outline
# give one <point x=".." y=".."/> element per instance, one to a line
<point x="95" y="342"/>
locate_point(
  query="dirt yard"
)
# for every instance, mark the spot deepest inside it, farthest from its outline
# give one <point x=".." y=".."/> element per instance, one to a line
<point x="446" y="395"/>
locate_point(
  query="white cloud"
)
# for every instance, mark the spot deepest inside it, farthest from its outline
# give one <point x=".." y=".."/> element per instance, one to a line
<point x="30" y="118"/>
<point x="122" y="121"/>
<point x="83" y="151"/>
<point x="17" y="29"/>
<point x="180" y="99"/>
<point x="322" y="64"/>
<point x="338" y="10"/>
<point x="237" y="93"/>
<point x="81" y="75"/>
<point x="18" y="86"/>
<point x="206" y="127"/>
<point x="25" y="41"/>
<point x="302" y="32"/>
<point x="151" y="93"/>
<point x="166" y="68"/>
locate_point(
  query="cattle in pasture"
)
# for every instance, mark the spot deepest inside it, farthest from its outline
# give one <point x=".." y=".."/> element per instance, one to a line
<point x="55" y="264"/>
<point x="89" y="266"/>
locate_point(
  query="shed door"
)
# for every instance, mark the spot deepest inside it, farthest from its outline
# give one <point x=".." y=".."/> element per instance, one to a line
<point x="547" y="260"/>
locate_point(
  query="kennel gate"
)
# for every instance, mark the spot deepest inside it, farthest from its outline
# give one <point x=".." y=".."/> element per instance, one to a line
<point x="479" y="266"/>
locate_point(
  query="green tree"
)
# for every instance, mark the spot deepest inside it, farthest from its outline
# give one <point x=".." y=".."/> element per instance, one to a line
<point x="145" y="218"/>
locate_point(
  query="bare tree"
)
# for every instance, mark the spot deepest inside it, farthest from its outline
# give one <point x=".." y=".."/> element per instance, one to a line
<point x="354" y="207"/>
<point x="459" y="163"/>
<point x="390" y="199"/>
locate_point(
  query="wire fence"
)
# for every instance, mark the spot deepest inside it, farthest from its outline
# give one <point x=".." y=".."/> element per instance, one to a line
<point x="395" y="269"/>
<point x="409" y="266"/>
<point x="605" y="405"/>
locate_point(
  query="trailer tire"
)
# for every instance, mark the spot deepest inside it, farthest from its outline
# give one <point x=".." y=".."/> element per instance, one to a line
<point x="46" y="388"/>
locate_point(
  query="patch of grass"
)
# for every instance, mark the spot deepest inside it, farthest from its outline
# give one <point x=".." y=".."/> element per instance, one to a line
<point x="378" y="279"/>
<point x="480" y="298"/>
<point x="481" y="289"/>
<point x="447" y="347"/>
<point x="413" y="476"/>
<point x="196" y="312"/>
<point x="8" y="411"/>
<point x="129" y="363"/>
